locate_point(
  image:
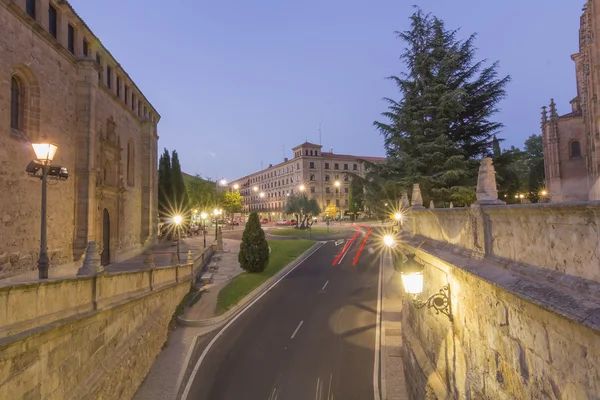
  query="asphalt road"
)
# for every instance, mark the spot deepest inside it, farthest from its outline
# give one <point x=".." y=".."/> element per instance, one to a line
<point x="311" y="337"/>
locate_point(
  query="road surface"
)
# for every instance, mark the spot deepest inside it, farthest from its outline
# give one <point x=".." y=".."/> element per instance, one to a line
<point x="313" y="336"/>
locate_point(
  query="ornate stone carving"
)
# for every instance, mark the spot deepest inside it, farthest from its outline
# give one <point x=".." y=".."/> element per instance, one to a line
<point x="417" y="199"/>
<point x="487" y="191"/>
<point x="404" y="202"/>
<point x="92" y="262"/>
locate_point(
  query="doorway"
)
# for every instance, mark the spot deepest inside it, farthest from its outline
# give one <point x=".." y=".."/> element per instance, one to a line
<point x="105" y="256"/>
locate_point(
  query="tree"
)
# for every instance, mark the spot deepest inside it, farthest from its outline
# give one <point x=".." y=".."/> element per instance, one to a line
<point x="201" y="192"/>
<point x="179" y="198"/>
<point x="254" y="249"/>
<point x="164" y="184"/>
<point x="303" y="208"/>
<point x="356" y="201"/>
<point x="231" y="202"/>
<point x="441" y="126"/>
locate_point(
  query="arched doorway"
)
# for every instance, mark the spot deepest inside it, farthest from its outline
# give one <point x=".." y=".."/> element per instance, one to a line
<point x="105" y="257"/>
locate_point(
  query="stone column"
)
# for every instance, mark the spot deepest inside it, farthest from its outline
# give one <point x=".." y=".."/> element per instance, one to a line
<point x="417" y="199"/>
<point x="431" y="205"/>
<point x="451" y="205"/>
<point x="487" y="191"/>
<point x="220" y="240"/>
<point x="92" y="261"/>
<point x="404" y="201"/>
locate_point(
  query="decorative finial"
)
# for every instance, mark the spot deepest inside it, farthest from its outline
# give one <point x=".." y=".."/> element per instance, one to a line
<point x="553" y="113"/>
<point x="544" y="115"/>
<point x="451" y="205"/>
<point x="417" y="199"/>
<point x="92" y="263"/>
<point x="431" y="205"/>
<point x="487" y="191"/>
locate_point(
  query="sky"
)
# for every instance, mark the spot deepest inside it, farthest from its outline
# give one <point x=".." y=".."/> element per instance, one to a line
<point x="238" y="83"/>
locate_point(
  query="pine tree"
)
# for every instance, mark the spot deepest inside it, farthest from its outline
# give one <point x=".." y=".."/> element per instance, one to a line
<point x="254" y="249"/>
<point x="164" y="184"/>
<point x="441" y="126"/>
<point x="179" y="197"/>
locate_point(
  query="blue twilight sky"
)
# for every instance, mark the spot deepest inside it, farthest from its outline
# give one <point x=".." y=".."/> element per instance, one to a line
<point x="236" y="80"/>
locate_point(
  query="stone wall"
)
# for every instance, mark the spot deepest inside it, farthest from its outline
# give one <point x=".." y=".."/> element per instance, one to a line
<point x="525" y="306"/>
<point x="86" y="338"/>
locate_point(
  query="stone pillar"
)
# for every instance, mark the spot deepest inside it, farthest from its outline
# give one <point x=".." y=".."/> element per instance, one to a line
<point x="451" y="205"/>
<point x="404" y="201"/>
<point x="92" y="261"/>
<point x="220" y="240"/>
<point x="417" y="199"/>
<point x="431" y="205"/>
<point x="487" y="191"/>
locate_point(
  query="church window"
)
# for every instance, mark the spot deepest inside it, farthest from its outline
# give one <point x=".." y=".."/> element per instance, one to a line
<point x="575" y="149"/>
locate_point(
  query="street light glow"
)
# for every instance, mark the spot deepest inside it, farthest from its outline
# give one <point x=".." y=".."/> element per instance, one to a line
<point x="262" y="194"/>
<point x="302" y="187"/>
<point x="397" y="216"/>
<point x="178" y="219"/>
<point x="388" y="240"/>
<point x="255" y="188"/>
<point x="44" y="152"/>
<point x="236" y="186"/>
<point x="337" y="183"/>
<point x="544" y="192"/>
<point x="203" y="215"/>
<point x="223" y="182"/>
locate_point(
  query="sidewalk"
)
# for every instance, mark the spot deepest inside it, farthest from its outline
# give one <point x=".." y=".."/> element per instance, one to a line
<point x="166" y="374"/>
<point x="393" y="384"/>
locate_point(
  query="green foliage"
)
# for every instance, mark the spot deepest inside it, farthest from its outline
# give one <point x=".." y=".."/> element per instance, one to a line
<point x="356" y="197"/>
<point x="254" y="249"/>
<point x="201" y="192"/>
<point x="231" y="202"/>
<point x="164" y="184"/>
<point x="439" y="129"/>
<point x="179" y="197"/>
<point x="303" y="208"/>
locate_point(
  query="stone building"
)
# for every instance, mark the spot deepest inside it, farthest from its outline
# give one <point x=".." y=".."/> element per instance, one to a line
<point x="572" y="141"/>
<point x="312" y="170"/>
<point x="59" y="84"/>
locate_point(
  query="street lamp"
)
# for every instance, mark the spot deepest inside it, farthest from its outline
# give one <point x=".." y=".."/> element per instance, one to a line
<point x="236" y="186"/>
<point x="339" y="190"/>
<point x="216" y="213"/>
<point x="44" y="153"/>
<point x="255" y="188"/>
<point x="302" y="188"/>
<point x="204" y="216"/>
<point x="177" y="220"/>
<point x="398" y="218"/>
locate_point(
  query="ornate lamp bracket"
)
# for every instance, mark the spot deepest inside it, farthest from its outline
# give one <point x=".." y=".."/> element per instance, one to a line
<point x="440" y="302"/>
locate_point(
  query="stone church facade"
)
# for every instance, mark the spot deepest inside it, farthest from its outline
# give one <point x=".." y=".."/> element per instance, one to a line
<point x="59" y="84"/>
<point x="572" y="141"/>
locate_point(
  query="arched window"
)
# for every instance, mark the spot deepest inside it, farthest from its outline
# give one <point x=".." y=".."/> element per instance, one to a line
<point x="575" y="149"/>
<point x="130" y="163"/>
<point x="16" y="104"/>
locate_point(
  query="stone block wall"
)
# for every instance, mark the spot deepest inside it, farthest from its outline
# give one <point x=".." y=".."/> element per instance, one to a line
<point x="86" y="338"/>
<point x="519" y="330"/>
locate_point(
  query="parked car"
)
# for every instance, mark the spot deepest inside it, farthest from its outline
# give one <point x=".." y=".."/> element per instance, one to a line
<point x="233" y="222"/>
<point x="283" y="222"/>
<point x="264" y="221"/>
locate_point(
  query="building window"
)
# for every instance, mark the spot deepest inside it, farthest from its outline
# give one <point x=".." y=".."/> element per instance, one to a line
<point x="312" y="189"/>
<point x="297" y="165"/>
<point x="108" y="76"/>
<point x="306" y="152"/>
<point x="130" y="163"/>
<point x="132" y="101"/>
<point x="346" y="178"/>
<point x="118" y="86"/>
<point x="16" y="104"/>
<point x="336" y="166"/>
<point x="312" y="177"/>
<point x="71" y="39"/>
<point x="355" y="167"/>
<point x="139" y="109"/>
<point x="311" y="164"/>
<point x="326" y="178"/>
<point x="52" y="21"/>
<point x="346" y="167"/>
<point x="86" y="48"/>
<point x="126" y="95"/>
<point x="326" y="165"/>
<point x="575" y="149"/>
<point x="327" y="190"/>
<point x="345" y="190"/>
<point x="99" y="62"/>
<point x="337" y="202"/>
<point x="328" y="202"/>
<point x="30" y="8"/>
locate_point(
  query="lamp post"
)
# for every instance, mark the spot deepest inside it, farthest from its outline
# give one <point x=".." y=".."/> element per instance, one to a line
<point x="178" y="219"/>
<point x="204" y="216"/>
<point x="44" y="152"/>
<point x="398" y="218"/>
<point x="339" y="190"/>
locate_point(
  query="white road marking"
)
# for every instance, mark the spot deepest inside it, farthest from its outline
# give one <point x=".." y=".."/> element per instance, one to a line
<point x="347" y="251"/>
<point x="273" y="395"/>
<point x="190" y="381"/>
<point x="376" y="391"/>
<point x="318" y="393"/>
<point x="325" y="285"/>
<point x="329" y="395"/>
<point x="297" y="329"/>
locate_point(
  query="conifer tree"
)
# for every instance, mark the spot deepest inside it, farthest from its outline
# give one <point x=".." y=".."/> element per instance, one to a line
<point x="254" y="249"/>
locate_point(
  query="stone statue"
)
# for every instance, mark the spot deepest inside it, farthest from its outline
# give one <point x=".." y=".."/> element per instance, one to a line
<point x="417" y="199"/>
<point x="487" y="191"/>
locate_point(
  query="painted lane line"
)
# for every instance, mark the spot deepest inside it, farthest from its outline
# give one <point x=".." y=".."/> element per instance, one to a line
<point x="348" y="243"/>
<point x="329" y="395"/>
<point x="349" y="247"/>
<point x="361" y="247"/>
<point x="318" y="393"/>
<point x="376" y="391"/>
<point x="325" y="285"/>
<point x="190" y="381"/>
<point x="297" y="329"/>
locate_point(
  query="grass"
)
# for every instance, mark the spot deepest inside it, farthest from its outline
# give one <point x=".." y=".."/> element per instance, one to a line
<point x="303" y="232"/>
<point x="282" y="253"/>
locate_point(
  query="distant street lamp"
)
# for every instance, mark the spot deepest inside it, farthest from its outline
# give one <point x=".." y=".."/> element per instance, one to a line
<point x="204" y="216"/>
<point x="44" y="153"/>
<point x="236" y="186"/>
<point x="178" y="219"/>
<point x="339" y="191"/>
<point x="255" y="188"/>
<point x="398" y="218"/>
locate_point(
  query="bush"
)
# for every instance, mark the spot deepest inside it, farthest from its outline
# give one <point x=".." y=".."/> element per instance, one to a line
<point x="254" y="249"/>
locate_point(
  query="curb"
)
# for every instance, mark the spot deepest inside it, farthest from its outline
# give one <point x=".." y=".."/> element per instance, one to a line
<point x="265" y="286"/>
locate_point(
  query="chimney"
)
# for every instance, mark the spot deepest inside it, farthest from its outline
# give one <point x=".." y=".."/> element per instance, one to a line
<point x="331" y="150"/>
<point x="285" y="159"/>
<point x="270" y="165"/>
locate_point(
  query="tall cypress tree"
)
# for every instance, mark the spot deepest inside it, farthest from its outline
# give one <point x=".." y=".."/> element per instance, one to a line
<point x="164" y="185"/>
<point x="441" y="125"/>
<point x="179" y="195"/>
<point x="254" y="249"/>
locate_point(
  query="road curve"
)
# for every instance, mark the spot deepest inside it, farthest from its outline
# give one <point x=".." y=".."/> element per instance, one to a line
<point x="311" y="337"/>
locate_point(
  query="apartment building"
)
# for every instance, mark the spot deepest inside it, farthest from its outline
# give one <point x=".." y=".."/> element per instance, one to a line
<point x="324" y="176"/>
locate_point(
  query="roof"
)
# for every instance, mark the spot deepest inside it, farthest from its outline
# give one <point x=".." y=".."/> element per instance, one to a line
<point x="307" y="144"/>
<point x="348" y="156"/>
<point x="571" y="115"/>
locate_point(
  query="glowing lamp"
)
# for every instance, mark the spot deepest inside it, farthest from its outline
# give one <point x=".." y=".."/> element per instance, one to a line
<point x="44" y="152"/>
<point x="388" y="240"/>
<point x="412" y="282"/>
<point x="178" y="219"/>
<point x="203" y="215"/>
<point x="397" y="216"/>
